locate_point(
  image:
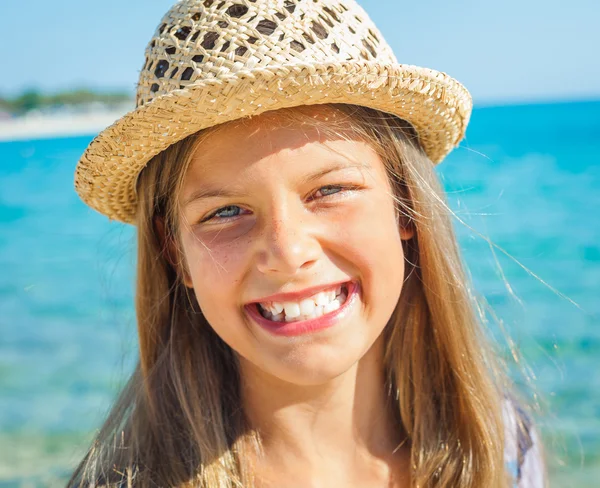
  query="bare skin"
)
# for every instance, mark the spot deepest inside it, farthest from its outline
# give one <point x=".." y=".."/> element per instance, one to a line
<point x="292" y="221"/>
<point x="339" y="434"/>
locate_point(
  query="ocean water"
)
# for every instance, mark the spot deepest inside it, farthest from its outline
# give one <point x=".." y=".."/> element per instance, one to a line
<point x="525" y="189"/>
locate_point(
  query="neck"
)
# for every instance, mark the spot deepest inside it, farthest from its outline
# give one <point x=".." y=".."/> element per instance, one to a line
<point x="347" y="421"/>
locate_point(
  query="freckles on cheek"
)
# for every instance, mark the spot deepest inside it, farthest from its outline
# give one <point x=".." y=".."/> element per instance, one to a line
<point x="212" y="257"/>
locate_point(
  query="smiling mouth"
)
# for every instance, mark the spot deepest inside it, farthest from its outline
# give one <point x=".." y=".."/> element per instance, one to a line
<point x="317" y="305"/>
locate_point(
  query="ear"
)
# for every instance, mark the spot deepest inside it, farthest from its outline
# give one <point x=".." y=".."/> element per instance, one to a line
<point x="170" y="252"/>
<point x="407" y="232"/>
<point x="406" y="226"/>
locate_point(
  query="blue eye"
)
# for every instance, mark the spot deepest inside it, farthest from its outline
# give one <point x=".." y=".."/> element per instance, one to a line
<point x="230" y="211"/>
<point x="330" y="190"/>
<point x="224" y="213"/>
<point x="327" y="191"/>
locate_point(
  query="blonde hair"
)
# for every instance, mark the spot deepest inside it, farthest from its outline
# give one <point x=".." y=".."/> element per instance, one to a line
<point x="178" y="421"/>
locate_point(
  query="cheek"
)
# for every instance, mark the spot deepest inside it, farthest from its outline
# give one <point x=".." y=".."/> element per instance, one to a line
<point x="214" y="256"/>
<point x="215" y="269"/>
<point x="370" y="239"/>
<point x="372" y="230"/>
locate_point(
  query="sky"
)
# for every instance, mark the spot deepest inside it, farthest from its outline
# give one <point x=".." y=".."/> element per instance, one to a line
<point x="512" y="51"/>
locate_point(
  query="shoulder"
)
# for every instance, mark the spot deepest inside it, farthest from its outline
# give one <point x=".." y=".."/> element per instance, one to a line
<point x="523" y="453"/>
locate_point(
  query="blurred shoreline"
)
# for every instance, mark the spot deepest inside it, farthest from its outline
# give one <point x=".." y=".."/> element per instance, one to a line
<point x="64" y="123"/>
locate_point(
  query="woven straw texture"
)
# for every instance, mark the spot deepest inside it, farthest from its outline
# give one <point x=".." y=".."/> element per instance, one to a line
<point x="213" y="61"/>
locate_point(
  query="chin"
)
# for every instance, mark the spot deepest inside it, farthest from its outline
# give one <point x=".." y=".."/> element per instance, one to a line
<point x="316" y="364"/>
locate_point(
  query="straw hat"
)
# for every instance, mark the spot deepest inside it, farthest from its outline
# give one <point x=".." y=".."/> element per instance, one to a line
<point x="213" y="61"/>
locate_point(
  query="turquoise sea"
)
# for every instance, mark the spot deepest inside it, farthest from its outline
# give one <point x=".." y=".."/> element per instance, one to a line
<point x="527" y="178"/>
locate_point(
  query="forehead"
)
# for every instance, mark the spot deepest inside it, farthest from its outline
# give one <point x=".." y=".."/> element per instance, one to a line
<point x="307" y="136"/>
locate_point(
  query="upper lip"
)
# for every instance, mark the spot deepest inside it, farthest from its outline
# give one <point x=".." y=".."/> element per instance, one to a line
<point x="296" y="296"/>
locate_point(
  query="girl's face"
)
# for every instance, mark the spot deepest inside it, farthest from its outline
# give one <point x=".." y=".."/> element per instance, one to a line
<point x="292" y="245"/>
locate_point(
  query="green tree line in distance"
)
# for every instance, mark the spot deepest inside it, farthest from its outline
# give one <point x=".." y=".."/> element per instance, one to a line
<point x="34" y="99"/>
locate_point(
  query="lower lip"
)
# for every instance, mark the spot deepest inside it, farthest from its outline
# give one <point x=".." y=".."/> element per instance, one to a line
<point x="301" y="327"/>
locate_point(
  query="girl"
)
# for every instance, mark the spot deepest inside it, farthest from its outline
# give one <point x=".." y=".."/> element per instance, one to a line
<point x="303" y="314"/>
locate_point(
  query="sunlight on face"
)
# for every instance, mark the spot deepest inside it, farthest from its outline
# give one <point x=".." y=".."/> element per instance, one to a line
<point x="270" y="208"/>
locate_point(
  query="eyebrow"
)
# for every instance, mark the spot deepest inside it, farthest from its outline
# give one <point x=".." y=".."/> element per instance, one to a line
<point x="208" y="192"/>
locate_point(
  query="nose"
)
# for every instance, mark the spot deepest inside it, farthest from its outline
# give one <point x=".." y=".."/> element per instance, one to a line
<point x="288" y="243"/>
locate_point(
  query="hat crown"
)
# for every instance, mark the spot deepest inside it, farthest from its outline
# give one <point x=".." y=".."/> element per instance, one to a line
<point x="202" y="39"/>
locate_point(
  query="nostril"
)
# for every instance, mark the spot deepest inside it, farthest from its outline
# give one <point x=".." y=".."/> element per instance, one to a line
<point x="308" y="264"/>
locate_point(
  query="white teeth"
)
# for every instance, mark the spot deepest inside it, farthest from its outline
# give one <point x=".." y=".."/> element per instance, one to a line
<point x="330" y="307"/>
<point x="321" y="299"/>
<point x="319" y="304"/>
<point x="307" y="306"/>
<point x="292" y="310"/>
<point x="309" y="316"/>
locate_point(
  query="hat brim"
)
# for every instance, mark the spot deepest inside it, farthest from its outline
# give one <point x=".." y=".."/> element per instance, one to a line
<point x="437" y="106"/>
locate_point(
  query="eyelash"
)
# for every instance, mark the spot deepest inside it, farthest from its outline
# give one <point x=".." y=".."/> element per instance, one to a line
<point x="342" y="188"/>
